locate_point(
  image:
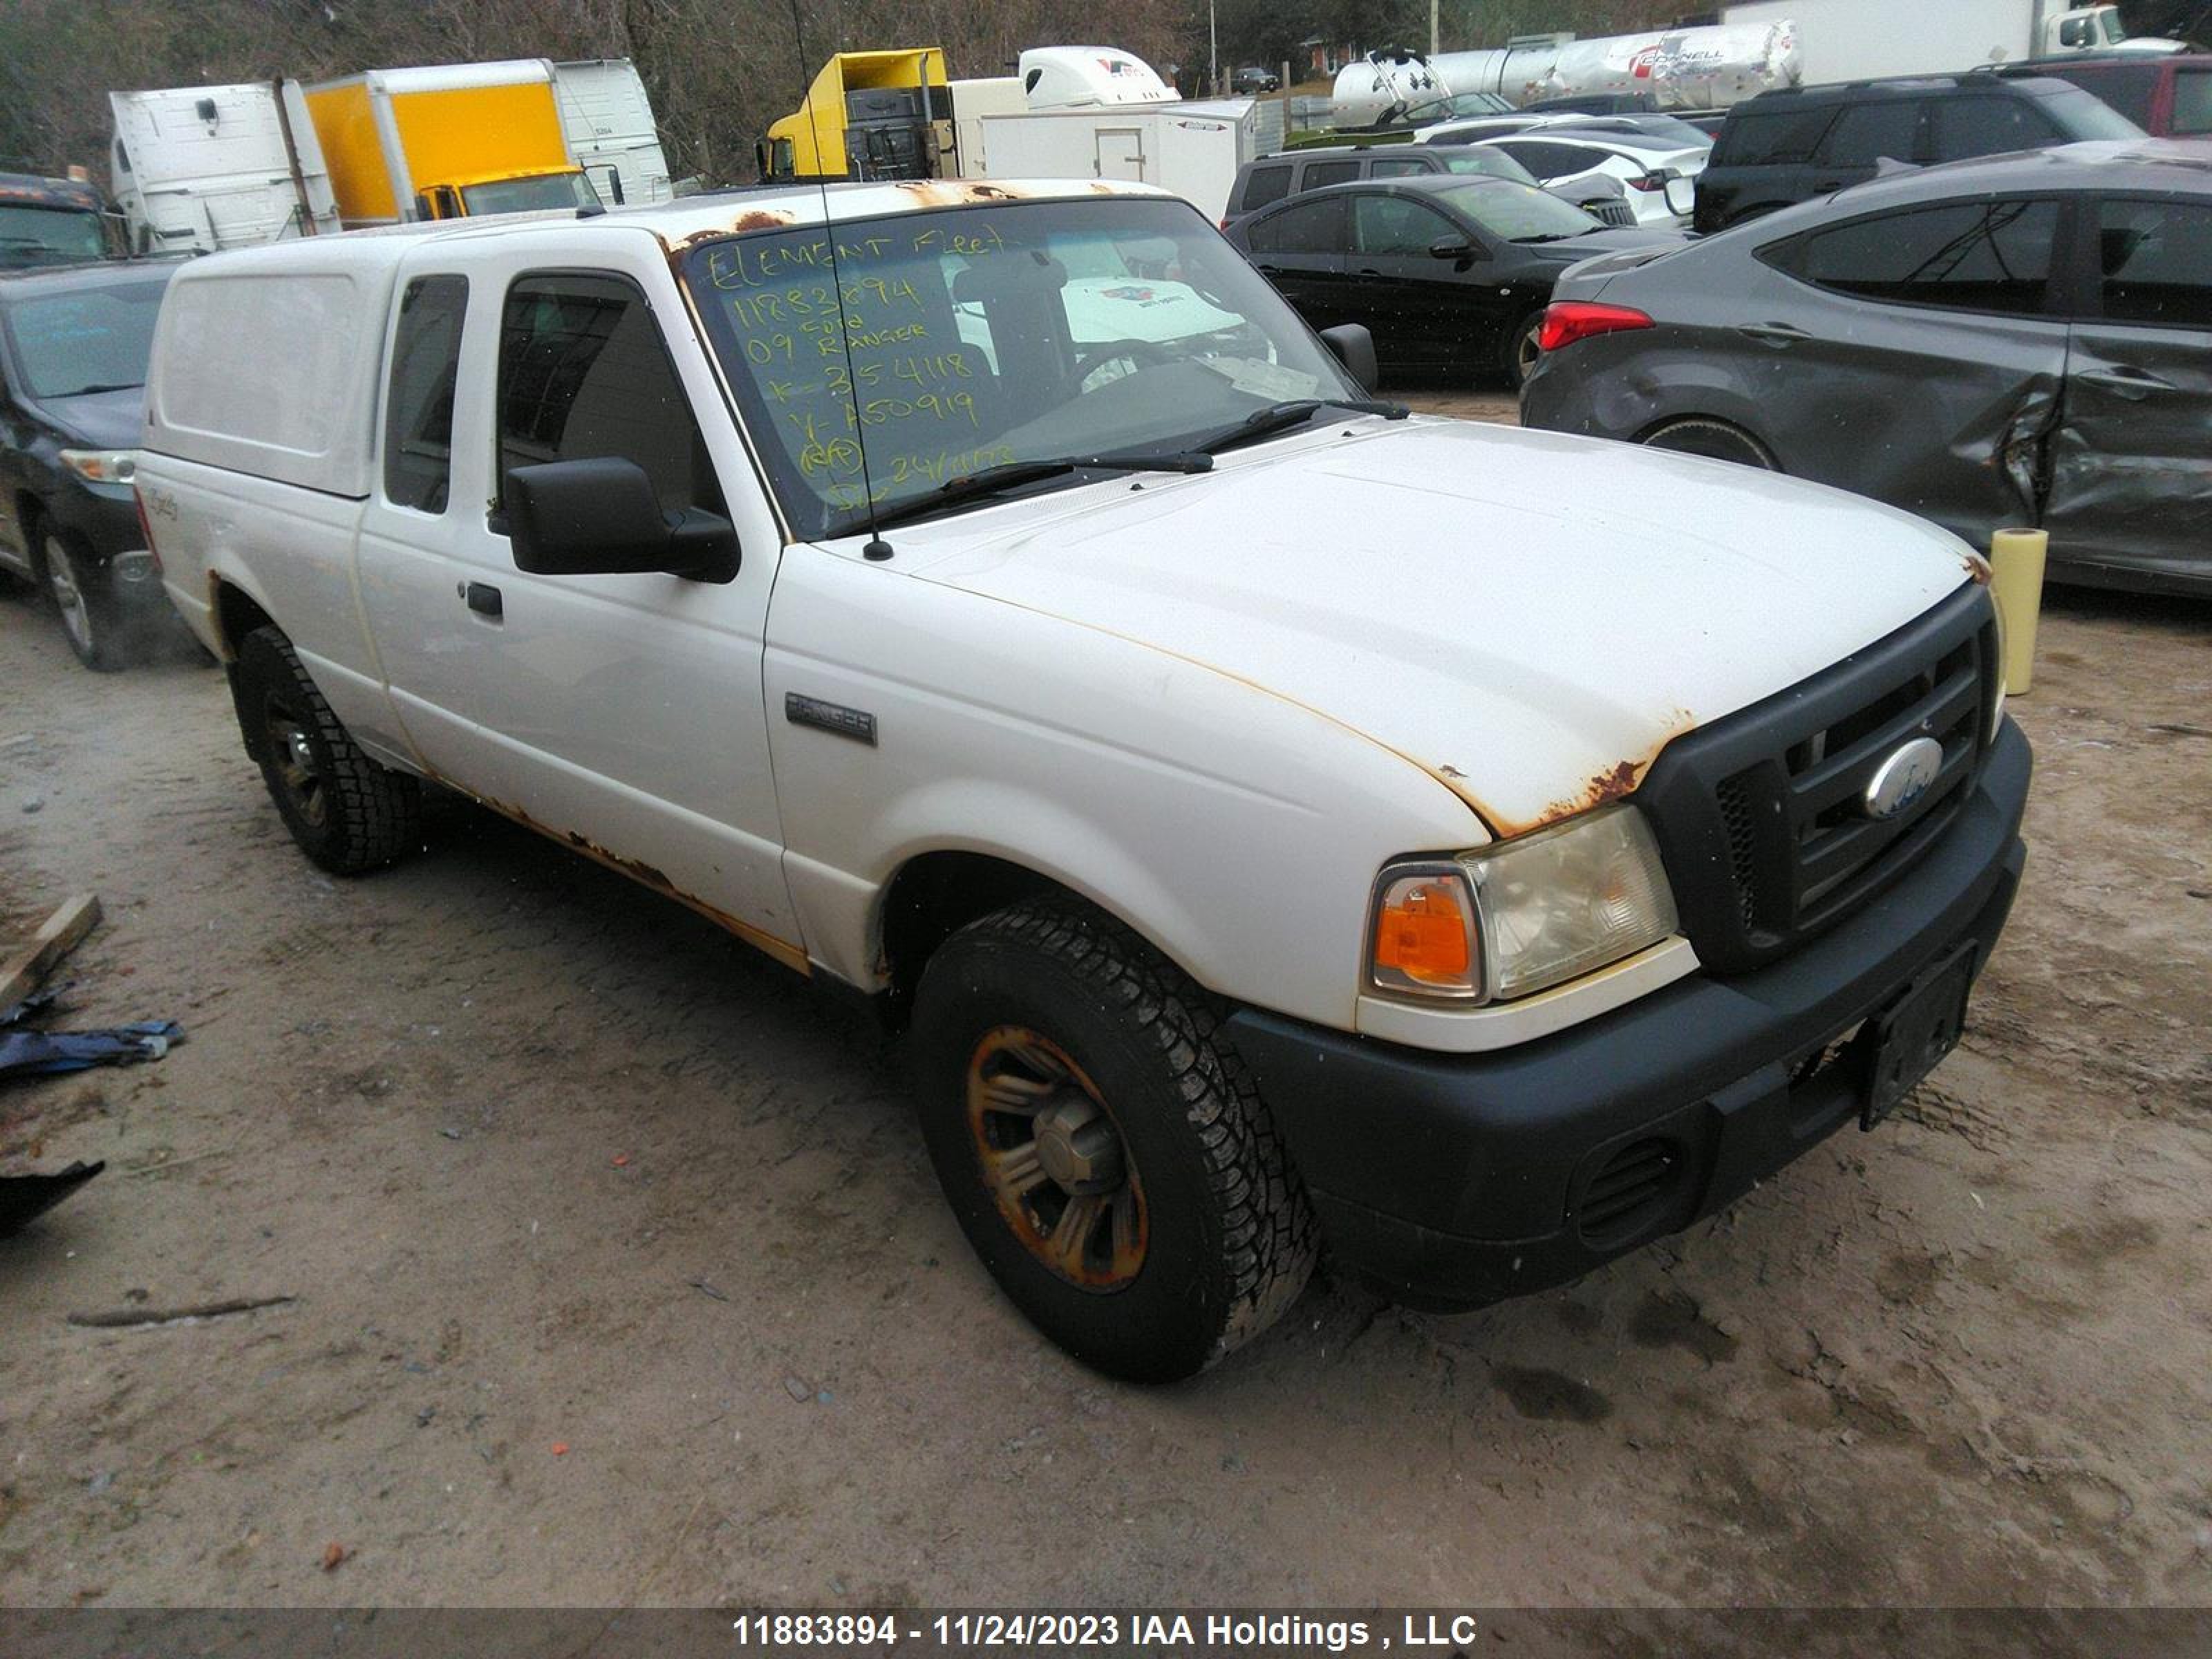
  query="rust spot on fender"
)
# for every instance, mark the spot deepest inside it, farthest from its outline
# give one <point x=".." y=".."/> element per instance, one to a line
<point x="1978" y="568"/>
<point x="1611" y="784"/>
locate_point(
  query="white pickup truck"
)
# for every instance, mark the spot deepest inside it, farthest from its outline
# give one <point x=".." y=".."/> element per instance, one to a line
<point x="1275" y="819"/>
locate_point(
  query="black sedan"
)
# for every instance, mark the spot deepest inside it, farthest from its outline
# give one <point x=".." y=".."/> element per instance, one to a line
<point x="1450" y="274"/>
<point x="2019" y="341"/>
<point x="73" y="350"/>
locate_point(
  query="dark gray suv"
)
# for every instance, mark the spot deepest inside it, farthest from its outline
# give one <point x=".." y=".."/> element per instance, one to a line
<point x="1788" y="146"/>
<point x="1272" y="178"/>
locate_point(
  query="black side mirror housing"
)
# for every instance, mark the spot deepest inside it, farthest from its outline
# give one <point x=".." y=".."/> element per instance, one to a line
<point x="1350" y="345"/>
<point x="1451" y="247"/>
<point x="599" y="517"/>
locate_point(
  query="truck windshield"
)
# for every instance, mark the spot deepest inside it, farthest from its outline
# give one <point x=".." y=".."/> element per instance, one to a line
<point x="552" y="192"/>
<point x="97" y="339"/>
<point x="40" y="235"/>
<point x="979" y="337"/>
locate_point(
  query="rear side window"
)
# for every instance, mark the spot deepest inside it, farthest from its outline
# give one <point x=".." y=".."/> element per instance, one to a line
<point x="1399" y="168"/>
<point x="1552" y="161"/>
<point x="2192" y="103"/>
<point x="1329" y="173"/>
<point x="1775" y="138"/>
<point x="418" y="405"/>
<point x="583" y="374"/>
<point x="1864" y="133"/>
<point x="2128" y="88"/>
<point x="1266" y="185"/>
<point x="1984" y="256"/>
<point x="2157" y="263"/>
<point x="1309" y="228"/>
<point x="1988" y="126"/>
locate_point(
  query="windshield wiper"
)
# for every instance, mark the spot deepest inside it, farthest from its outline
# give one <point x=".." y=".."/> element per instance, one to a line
<point x="1013" y="475"/>
<point x="1281" y="417"/>
<point x="87" y="391"/>
<point x="1548" y="236"/>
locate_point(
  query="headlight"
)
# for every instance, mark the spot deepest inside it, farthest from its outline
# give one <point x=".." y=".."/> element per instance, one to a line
<point x="107" y="466"/>
<point x="1522" y="915"/>
<point x="1998" y="703"/>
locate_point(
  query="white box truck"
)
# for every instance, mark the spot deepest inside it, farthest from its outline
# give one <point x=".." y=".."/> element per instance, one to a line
<point x="198" y="169"/>
<point x="1191" y="149"/>
<point x="1863" y="39"/>
<point x="609" y="122"/>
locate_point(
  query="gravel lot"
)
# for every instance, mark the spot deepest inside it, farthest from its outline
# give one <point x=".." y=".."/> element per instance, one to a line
<point x="619" y="1275"/>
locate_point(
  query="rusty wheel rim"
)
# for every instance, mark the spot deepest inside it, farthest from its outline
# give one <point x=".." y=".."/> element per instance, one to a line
<point x="298" y="771"/>
<point x="1054" y="1160"/>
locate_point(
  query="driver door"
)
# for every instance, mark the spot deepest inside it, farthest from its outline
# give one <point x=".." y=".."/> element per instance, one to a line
<point x="1424" y="312"/>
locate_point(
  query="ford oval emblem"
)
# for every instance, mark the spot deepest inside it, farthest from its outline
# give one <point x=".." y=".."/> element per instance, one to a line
<point x="1902" y="779"/>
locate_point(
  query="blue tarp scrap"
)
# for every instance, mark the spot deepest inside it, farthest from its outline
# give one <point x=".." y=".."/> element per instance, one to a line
<point x="29" y="1053"/>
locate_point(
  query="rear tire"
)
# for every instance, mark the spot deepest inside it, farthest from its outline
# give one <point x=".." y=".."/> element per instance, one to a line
<point x="77" y="588"/>
<point x="1715" y="439"/>
<point x="1102" y="1145"/>
<point x="347" y="813"/>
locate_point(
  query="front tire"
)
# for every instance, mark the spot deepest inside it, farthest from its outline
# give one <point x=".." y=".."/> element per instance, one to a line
<point x="77" y="590"/>
<point x="347" y="813"/>
<point x="1102" y="1145"/>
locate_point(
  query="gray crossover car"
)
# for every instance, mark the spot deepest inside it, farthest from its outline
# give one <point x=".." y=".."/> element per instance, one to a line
<point x="2022" y="340"/>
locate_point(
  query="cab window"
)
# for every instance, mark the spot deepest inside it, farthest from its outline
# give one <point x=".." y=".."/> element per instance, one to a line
<point x="418" y="403"/>
<point x="1391" y="227"/>
<point x="583" y="374"/>
<point x="2155" y="258"/>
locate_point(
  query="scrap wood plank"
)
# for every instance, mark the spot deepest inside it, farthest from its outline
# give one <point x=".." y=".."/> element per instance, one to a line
<point x="66" y="929"/>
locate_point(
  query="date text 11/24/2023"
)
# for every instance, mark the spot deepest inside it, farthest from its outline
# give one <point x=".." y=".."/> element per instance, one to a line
<point x="1164" y="1632"/>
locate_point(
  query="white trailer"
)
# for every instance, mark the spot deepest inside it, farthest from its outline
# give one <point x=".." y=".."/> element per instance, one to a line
<point x="608" y="121"/>
<point x="1861" y="40"/>
<point x="199" y="169"/>
<point x="1192" y="149"/>
<point x="971" y="102"/>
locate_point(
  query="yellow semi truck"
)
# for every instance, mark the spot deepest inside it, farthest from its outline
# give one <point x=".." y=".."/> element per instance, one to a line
<point x="868" y="115"/>
<point x="446" y="142"/>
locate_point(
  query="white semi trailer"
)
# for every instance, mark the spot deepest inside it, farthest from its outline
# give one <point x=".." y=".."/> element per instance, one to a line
<point x="199" y="169"/>
<point x="1861" y="39"/>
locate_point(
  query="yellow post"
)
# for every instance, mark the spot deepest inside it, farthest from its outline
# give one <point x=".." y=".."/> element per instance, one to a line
<point x="2017" y="556"/>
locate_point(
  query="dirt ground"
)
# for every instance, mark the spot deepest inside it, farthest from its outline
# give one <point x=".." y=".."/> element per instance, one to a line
<point x="618" y="1275"/>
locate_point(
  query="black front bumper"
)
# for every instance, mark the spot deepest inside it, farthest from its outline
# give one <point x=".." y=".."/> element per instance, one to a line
<point x="1449" y="1181"/>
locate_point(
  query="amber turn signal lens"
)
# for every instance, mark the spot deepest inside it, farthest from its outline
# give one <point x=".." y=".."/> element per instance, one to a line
<point x="1425" y="933"/>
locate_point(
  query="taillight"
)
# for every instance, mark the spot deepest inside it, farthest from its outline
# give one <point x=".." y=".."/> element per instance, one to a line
<point x="145" y="528"/>
<point x="1648" y="182"/>
<point x="1566" y="321"/>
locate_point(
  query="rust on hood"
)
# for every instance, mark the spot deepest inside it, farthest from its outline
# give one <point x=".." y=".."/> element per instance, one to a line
<point x="791" y="955"/>
<point x="1602" y="788"/>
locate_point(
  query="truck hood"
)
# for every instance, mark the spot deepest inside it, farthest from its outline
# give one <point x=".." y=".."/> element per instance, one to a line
<point x="1527" y="616"/>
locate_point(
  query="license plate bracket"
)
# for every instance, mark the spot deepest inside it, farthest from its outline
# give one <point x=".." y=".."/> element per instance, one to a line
<point x="1910" y="1038"/>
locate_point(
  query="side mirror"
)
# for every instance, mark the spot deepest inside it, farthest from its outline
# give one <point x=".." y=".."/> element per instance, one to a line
<point x="1350" y="345"/>
<point x="1451" y="247"/>
<point x="1681" y="195"/>
<point x="600" y="517"/>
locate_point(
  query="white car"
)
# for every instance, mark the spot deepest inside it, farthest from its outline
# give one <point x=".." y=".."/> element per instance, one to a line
<point x="1644" y="164"/>
<point x="1269" y="816"/>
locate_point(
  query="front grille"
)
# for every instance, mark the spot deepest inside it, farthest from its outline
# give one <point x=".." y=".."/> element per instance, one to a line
<point x="1630" y="1189"/>
<point x="1758" y="816"/>
<point x="1611" y="209"/>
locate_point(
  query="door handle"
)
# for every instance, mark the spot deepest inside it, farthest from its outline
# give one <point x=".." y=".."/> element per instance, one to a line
<point x="1773" y="334"/>
<point x="484" y="599"/>
<point x="2131" y="383"/>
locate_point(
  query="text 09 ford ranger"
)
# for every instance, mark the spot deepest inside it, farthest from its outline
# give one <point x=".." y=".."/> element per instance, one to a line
<point x="1275" y="819"/>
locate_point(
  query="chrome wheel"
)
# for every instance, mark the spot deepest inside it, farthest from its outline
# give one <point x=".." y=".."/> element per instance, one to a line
<point x="1054" y="1160"/>
<point x="299" y="772"/>
<point x="68" y="596"/>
